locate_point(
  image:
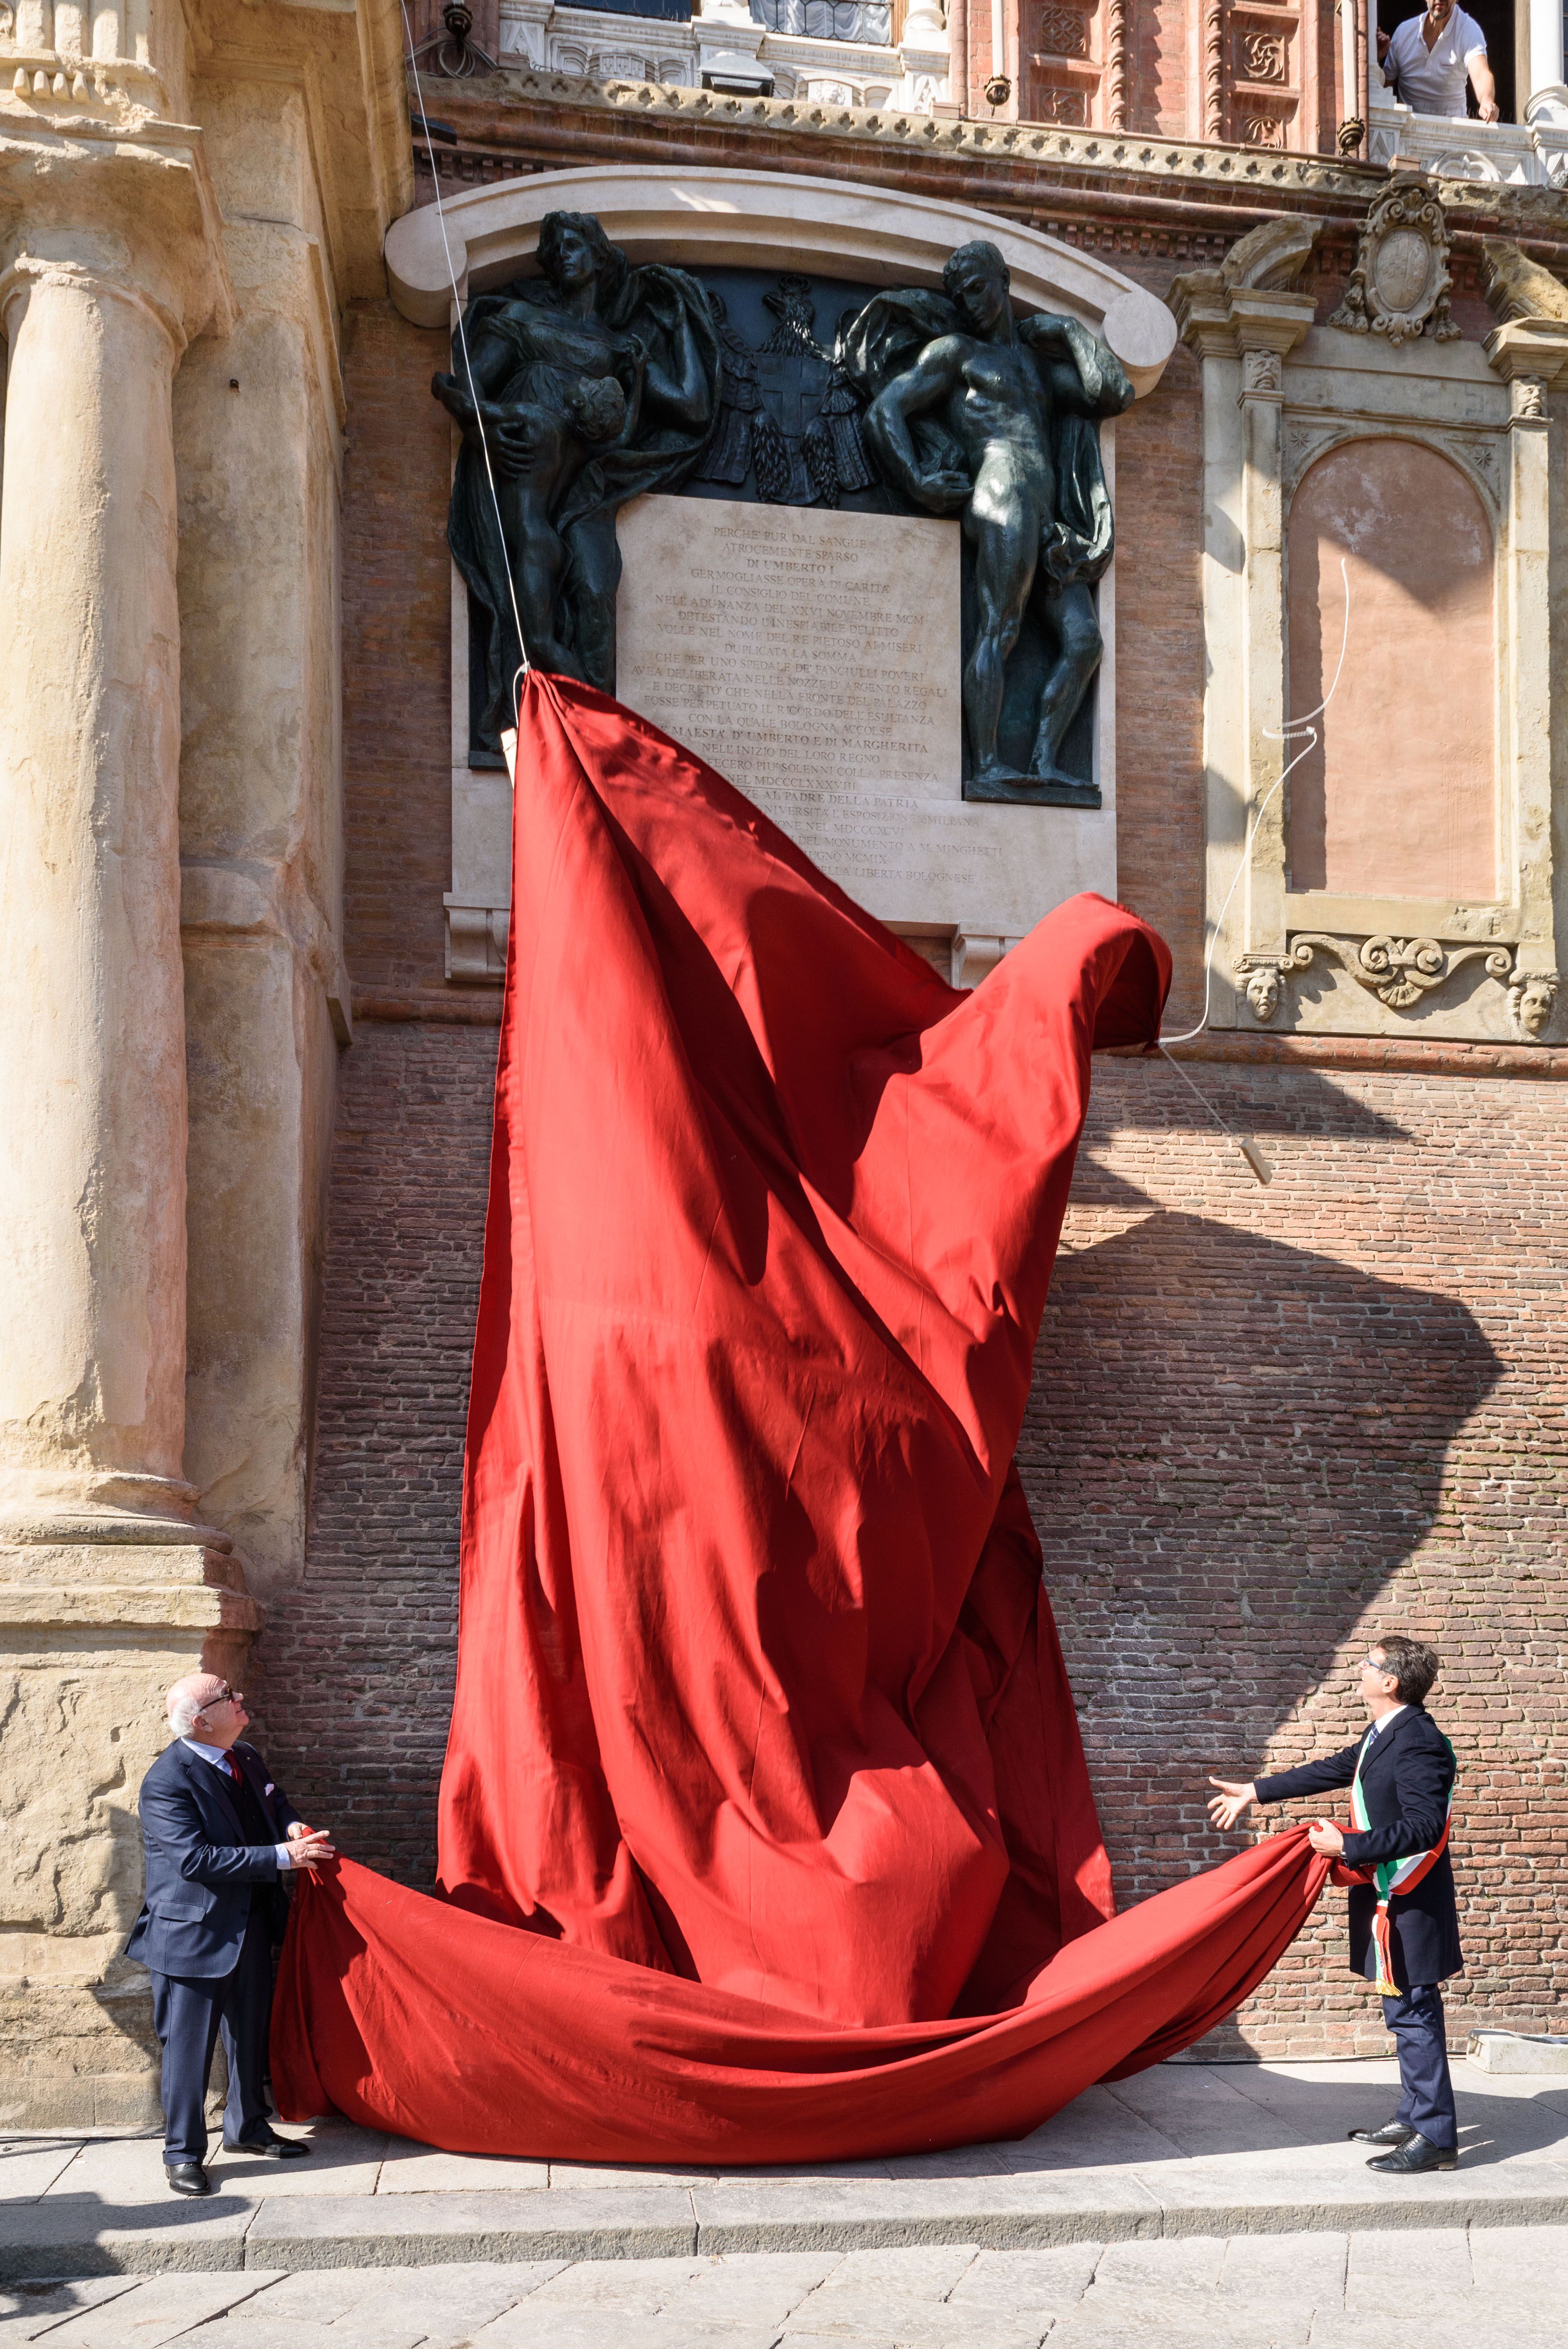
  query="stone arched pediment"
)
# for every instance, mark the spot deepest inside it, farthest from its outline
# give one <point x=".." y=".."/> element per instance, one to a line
<point x="764" y="220"/>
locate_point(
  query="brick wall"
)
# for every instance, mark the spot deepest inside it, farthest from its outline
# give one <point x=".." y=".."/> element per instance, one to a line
<point x="1268" y="1425"/>
<point x="1265" y="1423"/>
<point x="354" y="1671"/>
<point x="397" y="653"/>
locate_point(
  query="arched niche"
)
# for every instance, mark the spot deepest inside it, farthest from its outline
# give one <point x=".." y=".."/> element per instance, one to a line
<point x="1399" y="797"/>
<point x="763" y="220"/>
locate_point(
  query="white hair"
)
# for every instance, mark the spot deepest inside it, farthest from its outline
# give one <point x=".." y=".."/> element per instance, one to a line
<point x="183" y="1714"/>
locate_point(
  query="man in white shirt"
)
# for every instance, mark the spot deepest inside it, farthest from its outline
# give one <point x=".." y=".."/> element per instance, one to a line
<point x="1425" y="61"/>
<point x="219" y="1835"/>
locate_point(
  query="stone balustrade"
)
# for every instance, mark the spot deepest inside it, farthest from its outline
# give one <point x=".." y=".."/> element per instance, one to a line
<point x="1529" y="154"/>
<point x="606" y="45"/>
<point x="79" y="51"/>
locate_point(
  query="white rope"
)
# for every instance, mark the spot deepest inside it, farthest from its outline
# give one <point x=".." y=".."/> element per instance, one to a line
<point x="1292" y="731"/>
<point x="468" y="363"/>
<point x="1289" y="732"/>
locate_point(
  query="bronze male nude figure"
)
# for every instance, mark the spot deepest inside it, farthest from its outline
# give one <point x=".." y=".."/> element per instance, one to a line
<point x="994" y="420"/>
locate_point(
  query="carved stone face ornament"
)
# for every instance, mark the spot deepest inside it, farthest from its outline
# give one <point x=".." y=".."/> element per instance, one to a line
<point x="1262" y="992"/>
<point x="1532" y="999"/>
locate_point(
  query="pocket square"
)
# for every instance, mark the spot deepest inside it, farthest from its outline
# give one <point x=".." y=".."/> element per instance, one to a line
<point x="270" y="1789"/>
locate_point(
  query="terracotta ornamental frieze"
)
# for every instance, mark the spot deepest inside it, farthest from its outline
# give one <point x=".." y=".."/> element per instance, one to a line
<point x="598" y="382"/>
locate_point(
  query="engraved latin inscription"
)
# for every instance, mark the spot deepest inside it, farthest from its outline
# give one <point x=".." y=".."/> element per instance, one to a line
<point x="814" y="659"/>
<point x="791" y="646"/>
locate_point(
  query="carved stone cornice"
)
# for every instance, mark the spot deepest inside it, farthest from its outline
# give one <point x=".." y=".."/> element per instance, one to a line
<point x="1192" y="164"/>
<point x="1250" y="302"/>
<point x="142" y="207"/>
<point x="1518" y="289"/>
<point x="557" y="119"/>
<point x="1530" y="348"/>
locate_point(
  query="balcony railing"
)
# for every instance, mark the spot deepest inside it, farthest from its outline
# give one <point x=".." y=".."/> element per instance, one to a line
<point x="1529" y="154"/>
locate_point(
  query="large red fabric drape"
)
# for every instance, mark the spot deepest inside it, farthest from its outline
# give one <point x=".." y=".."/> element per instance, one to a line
<point x="757" y="1684"/>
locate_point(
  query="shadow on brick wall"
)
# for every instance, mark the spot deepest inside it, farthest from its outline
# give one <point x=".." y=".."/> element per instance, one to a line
<point x="1234" y="1444"/>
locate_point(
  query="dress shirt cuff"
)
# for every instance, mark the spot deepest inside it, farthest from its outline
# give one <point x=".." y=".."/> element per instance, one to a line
<point x="286" y="1857"/>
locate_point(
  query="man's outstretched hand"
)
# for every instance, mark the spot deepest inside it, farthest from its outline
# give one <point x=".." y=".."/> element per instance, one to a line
<point x="1232" y="1802"/>
<point x="309" y="1845"/>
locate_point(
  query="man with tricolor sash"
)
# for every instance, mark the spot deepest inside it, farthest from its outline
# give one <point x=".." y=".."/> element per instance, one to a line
<point x="1404" y="1920"/>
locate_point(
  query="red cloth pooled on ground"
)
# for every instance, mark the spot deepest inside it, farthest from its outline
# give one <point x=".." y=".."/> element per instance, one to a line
<point x="764" y="1764"/>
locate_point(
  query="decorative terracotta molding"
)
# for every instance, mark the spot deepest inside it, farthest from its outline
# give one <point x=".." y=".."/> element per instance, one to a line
<point x="1213" y="68"/>
<point x="1154" y="161"/>
<point x="1116" y="64"/>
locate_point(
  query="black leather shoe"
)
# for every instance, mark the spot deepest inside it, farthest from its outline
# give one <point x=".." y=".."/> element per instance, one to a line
<point x="1419" y="2154"/>
<point x="186" y="2178"/>
<point x="1392" y="2133"/>
<point x="272" y="2147"/>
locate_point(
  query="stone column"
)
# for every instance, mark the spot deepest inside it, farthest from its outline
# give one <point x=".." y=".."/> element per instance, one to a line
<point x="1531" y="356"/>
<point x="1545" y="50"/>
<point x="92" y="1069"/>
<point x="1243" y="320"/>
<point x="108" y="1591"/>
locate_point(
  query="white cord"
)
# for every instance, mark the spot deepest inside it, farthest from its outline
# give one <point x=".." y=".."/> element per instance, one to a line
<point x="1292" y="731"/>
<point x="468" y="363"/>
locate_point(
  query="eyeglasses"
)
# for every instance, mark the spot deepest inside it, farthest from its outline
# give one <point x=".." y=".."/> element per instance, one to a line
<point x="1374" y="1665"/>
<point x="226" y="1695"/>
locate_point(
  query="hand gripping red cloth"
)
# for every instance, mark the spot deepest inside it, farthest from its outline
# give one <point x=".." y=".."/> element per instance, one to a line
<point x="763" y="1762"/>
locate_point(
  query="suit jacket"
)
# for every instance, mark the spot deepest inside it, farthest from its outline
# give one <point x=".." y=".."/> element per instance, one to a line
<point x="201" y="1869"/>
<point x="1405" y="1783"/>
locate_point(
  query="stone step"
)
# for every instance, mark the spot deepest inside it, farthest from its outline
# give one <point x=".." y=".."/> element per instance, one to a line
<point x="1259" y="2195"/>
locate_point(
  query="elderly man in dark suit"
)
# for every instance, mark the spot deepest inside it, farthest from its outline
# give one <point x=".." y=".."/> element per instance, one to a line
<point x="220" y="1835"/>
<point x="1404" y="1920"/>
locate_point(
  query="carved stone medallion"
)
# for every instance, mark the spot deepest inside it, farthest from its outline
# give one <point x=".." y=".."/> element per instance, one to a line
<point x="1400" y="284"/>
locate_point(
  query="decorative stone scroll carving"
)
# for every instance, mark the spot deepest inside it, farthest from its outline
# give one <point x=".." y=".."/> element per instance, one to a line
<point x="1400" y="285"/>
<point x="1401" y="972"/>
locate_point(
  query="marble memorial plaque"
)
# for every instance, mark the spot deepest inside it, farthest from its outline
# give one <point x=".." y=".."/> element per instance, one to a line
<point x="813" y="658"/>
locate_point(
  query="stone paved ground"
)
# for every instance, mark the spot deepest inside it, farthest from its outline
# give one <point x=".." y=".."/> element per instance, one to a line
<point x="1443" y="2289"/>
<point x="1195" y="2203"/>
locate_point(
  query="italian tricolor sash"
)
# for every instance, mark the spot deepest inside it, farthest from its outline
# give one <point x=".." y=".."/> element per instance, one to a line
<point x="1390" y="1876"/>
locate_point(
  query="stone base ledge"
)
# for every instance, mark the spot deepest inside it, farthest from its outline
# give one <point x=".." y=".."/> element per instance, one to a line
<point x="78" y="2056"/>
<point x="287" y="2233"/>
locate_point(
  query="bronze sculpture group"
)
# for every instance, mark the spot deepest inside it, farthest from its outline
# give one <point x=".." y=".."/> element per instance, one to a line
<point x="597" y="381"/>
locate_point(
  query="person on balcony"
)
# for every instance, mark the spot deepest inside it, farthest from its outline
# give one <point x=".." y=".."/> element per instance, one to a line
<point x="1425" y="61"/>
